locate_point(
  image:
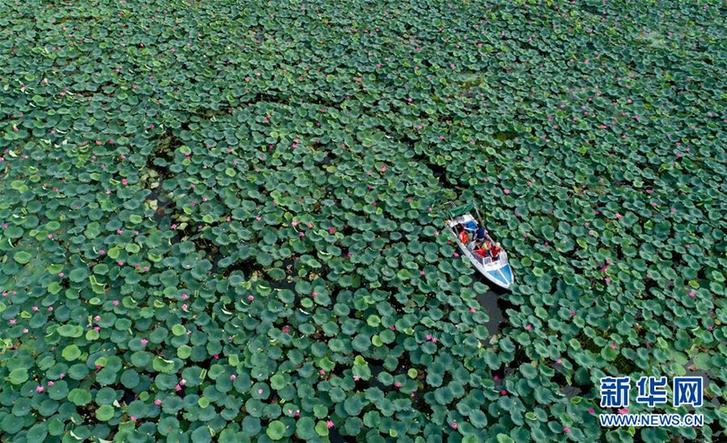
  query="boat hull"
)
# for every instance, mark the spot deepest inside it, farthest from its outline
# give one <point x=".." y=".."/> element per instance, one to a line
<point x="499" y="272"/>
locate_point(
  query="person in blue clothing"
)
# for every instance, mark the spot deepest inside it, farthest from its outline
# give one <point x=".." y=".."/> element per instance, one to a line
<point x="482" y="234"/>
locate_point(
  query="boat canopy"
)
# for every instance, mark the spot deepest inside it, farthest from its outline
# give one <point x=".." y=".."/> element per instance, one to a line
<point x="461" y="210"/>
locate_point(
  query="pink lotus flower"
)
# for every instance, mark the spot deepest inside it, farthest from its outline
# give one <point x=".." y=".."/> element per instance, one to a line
<point x="182" y="382"/>
<point x="331" y="230"/>
<point x="157" y="402"/>
<point x="329" y="424"/>
<point x="178" y="387"/>
<point x="356" y="377"/>
<point x="39" y="389"/>
<point x="566" y="429"/>
<point x="286" y="329"/>
<point x="397" y="384"/>
<point x="506" y="191"/>
<point x="50" y="308"/>
<point x="144" y="342"/>
<point x="301" y="234"/>
<point x="101" y="252"/>
<point x="51" y="383"/>
<point x="97" y="318"/>
<point x="653" y="204"/>
<point x="124" y="181"/>
<point x="297" y="413"/>
<point x="185" y="307"/>
<point x="503" y="391"/>
<point x="120" y="263"/>
<point x="115" y="302"/>
<point x="559" y="361"/>
<point x="692" y="293"/>
<point x="322" y="372"/>
<point x="473" y="310"/>
<point x="573" y="314"/>
<point x="184" y="296"/>
<point x="619" y="216"/>
<point x="250" y="298"/>
<point x="456" y="255"/>
<point x="35" y="309"/>
<point x="133" y="418"/>
<point x="623" y="411"/>
<point x="233" y="377"/>
<point x="392" y="327"/>
<point x="454" y="425"/>
<point x="591" y="411"/>
<point x="528" y="327"/>
<point x="613" y="345"/>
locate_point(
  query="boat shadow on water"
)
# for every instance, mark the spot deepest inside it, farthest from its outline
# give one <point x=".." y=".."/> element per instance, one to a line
<point x="495" y="304"/>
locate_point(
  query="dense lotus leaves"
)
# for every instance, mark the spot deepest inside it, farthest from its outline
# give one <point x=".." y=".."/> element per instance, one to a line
<point x="223" y="220"/>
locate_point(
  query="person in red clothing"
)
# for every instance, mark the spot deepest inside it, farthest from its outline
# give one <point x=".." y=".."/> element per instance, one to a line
<point x="463" y="237"/>
<point x="495" y="250"/>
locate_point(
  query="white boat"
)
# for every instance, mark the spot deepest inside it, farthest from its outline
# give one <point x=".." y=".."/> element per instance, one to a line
<point x="496" y="269"/>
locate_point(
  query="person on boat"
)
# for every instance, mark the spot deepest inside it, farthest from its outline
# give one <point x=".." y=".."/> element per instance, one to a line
<point x="464" y="237"/>
<point x="482" y="233"/>
<point x="481" y="251"/>
<point x="495" y="251"/>
<point x="487" y="247"/>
